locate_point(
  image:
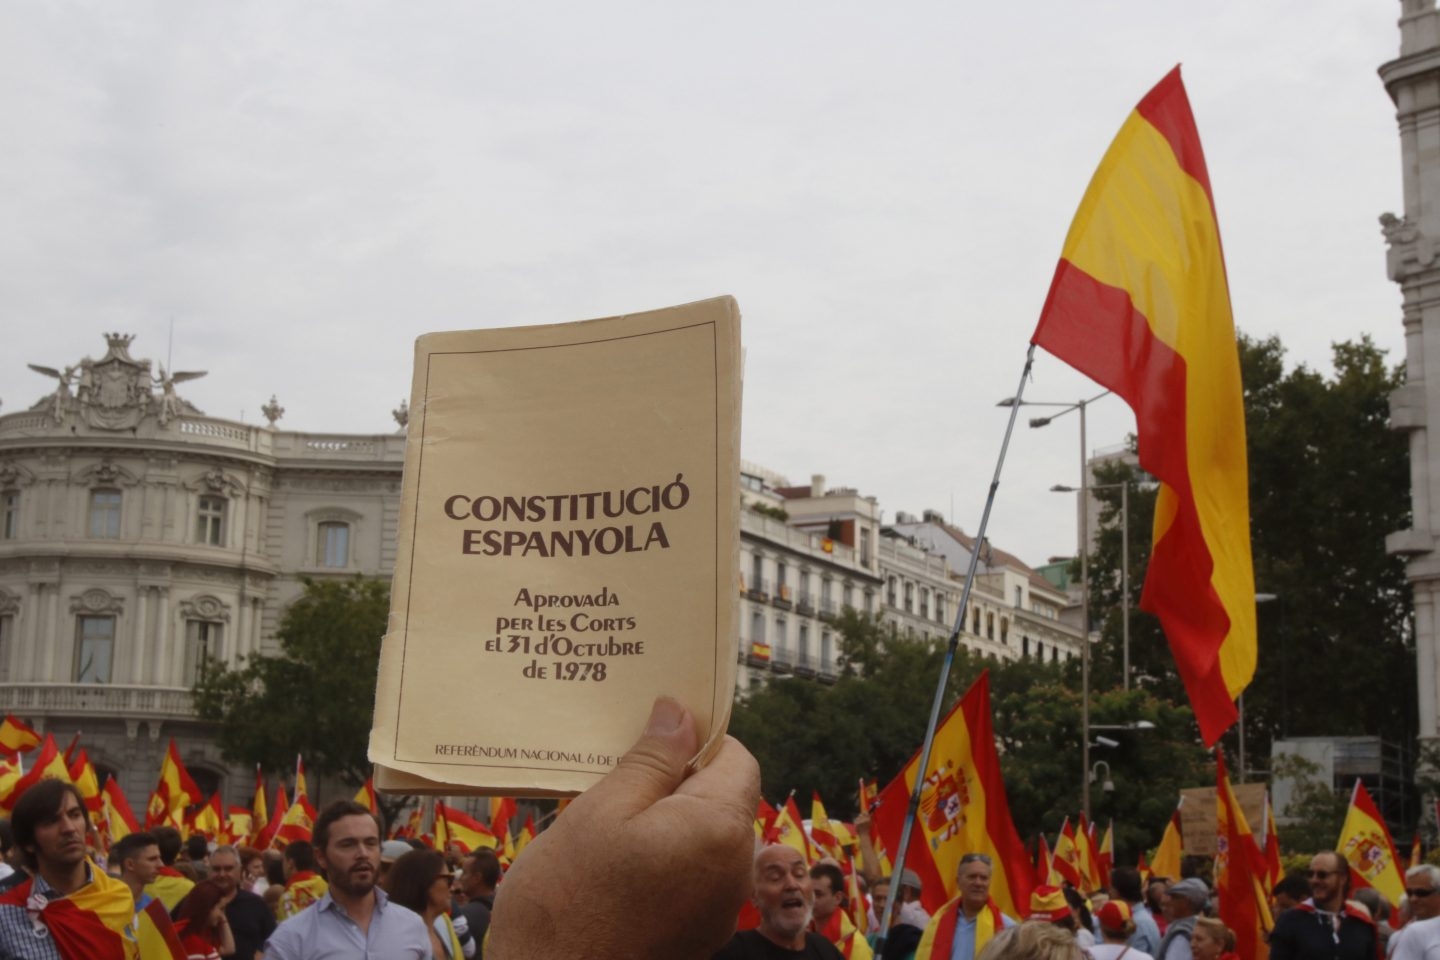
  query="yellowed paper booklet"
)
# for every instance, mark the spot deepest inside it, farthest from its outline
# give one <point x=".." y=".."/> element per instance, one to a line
<point x="567" y="552"/>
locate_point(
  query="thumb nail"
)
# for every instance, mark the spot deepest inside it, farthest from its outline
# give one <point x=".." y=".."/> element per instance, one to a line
<point x="665" y="717"/>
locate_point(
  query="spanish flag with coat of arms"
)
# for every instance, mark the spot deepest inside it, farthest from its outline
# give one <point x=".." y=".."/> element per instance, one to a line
<point x="1366" y="843"/>
<point x="963" y="810"/>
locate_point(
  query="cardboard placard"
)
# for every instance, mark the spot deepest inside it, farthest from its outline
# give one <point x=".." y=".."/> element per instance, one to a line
<point x="1198" y="821"/>
<point x="568" y="550"/>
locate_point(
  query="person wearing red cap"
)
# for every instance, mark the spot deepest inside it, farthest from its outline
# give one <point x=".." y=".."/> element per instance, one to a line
<point x="1117" y="926"/>
<point x="961" y="929"/>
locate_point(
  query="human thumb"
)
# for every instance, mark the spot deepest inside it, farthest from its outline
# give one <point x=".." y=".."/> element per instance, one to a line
<point x="653" y="767"/>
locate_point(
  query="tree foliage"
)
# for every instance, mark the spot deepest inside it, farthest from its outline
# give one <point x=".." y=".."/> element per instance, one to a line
<point x="316" y="695"/>
<point x="1328" y="481"/>
<point x="809" y="737"/>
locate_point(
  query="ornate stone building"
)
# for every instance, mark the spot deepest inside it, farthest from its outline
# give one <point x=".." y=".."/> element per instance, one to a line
<point x="139" y="537"/>
<point x="1413" y="81"/>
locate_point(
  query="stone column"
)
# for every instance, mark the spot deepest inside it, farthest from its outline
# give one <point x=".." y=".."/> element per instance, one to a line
<point x="140" y="635"/>
<point x="164" y="668"/>
<point x="1413" y="82"/>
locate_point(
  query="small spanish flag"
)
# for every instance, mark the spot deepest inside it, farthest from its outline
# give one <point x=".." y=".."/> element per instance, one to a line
<point x="17" y="736"/>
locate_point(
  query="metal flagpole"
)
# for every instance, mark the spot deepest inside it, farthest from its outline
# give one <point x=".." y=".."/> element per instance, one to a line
<point x="899" y="865"/>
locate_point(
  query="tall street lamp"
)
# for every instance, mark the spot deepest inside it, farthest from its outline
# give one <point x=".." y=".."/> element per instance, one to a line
<point x="1124" y="562"/>
<point x="1035" y="423"/>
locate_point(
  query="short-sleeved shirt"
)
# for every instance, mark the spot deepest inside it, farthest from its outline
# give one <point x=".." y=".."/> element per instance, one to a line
<point x="251" y="923"/>
<point x="754" y="945"/>
<point x="324" y="931"/>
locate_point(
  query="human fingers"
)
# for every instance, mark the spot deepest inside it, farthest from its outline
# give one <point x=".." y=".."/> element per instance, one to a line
<point x="652" y="768"/>
<point x="730" y="781"/>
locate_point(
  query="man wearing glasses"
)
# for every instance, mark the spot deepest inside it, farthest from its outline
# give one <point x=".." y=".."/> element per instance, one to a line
<point x="1325" y="925"/>
<point x="1421" y="936"/>
<point x="962" y="928"/>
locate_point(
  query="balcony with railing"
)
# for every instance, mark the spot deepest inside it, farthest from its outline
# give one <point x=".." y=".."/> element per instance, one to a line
<point x="758" y="590"/>
<point x="783" y="597"/>
<point x="805" y="605"/>
<point x="97" y="700"/>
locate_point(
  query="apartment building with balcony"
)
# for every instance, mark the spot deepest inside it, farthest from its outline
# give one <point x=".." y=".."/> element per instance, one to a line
<point x="1014" y="611"/>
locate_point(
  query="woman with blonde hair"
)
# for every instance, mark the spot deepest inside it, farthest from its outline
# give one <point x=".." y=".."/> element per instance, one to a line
<point x="1033" y="940"/>
<point x="1212" y="940"/>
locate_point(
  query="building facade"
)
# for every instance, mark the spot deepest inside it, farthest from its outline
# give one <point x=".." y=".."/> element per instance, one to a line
<point x="140" y="540"/>
<point x="1413" y="82"/>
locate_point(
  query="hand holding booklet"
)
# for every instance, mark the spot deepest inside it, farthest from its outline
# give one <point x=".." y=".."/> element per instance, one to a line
<point x="567" y="550"/>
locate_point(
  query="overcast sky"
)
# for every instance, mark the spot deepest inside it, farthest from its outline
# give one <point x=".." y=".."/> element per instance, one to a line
<point x="303" y="188"/>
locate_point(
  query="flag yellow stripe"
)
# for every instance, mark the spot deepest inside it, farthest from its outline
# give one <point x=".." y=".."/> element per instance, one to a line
<point x="1147" y="227"/>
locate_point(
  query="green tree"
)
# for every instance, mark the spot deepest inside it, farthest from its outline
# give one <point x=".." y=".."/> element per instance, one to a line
<point x="1328" y="481"/>
<point x="811" y="737"/>
<point x="1315" y="813"/>
<point x="316" y="695"/>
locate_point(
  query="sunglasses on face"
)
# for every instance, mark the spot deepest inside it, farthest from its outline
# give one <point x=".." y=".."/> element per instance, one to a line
<point x="1322" y="874"/>
<point x="1415" y="892"/>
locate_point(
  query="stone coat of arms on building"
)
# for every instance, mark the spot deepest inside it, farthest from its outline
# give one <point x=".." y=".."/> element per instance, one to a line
<point x="115" y="392"/>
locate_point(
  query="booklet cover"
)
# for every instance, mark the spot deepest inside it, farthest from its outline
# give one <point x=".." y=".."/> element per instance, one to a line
<point x="567" y="551"/>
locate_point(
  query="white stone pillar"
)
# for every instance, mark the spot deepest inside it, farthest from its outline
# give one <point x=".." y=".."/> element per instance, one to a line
<point x="140" y="635"/>
<point x="165" y="670"/>
<point x="57" y="641"/>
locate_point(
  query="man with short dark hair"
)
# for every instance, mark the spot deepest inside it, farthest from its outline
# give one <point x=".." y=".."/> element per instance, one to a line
<point x="303" y="884"/>
<point x="1289" y="892"/>
<point x="828" y="882"/>
<point x="478" y="879"/>
<point x="138" y="857"/>
<point x="784" y="896"/>
<point x="197" y="854"/>
<point x="961" y="929"/>
<point x="1125" y="885"/>
<point x="1325" y="925"/>
<point x="67" y="908"/>
<point x="170" y="885"/>
<point x="354" y="917"/>
<point x="251" y="922"/>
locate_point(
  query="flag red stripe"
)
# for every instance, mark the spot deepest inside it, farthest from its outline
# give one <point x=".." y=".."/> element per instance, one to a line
<point x="1098" y="330"/>
<point x="1167" y="109"/>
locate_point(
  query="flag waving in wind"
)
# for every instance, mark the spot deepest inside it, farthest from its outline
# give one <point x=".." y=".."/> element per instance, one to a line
<point x="963" y="810"/>
<point x="1140" y="304"/>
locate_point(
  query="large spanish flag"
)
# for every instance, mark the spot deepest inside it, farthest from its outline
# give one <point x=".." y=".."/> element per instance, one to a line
<point x="1240" y="873"/>
<point x="1366" y="842"/>
<point x="1140" y="304"/>
<point x="962" y="810"/>
<point x="93" y="923"/>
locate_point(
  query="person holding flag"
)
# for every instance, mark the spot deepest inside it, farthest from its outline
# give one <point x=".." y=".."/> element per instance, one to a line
<point x="67" y="909"/>
<point x="961" y="929"/>
<point x="1325" y="925"/>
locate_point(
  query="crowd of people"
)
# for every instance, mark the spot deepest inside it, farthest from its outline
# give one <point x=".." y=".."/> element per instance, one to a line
<point x="656" y="862"/>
